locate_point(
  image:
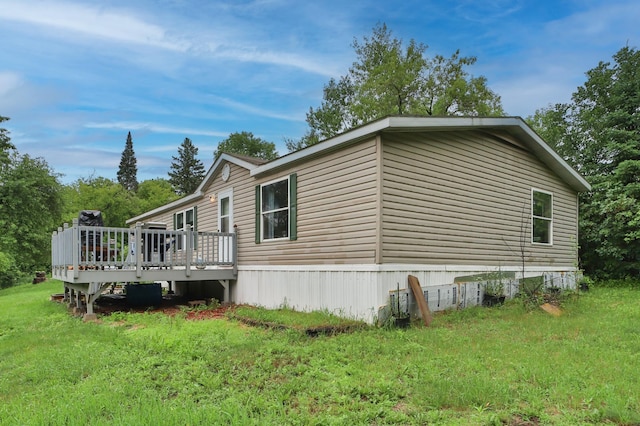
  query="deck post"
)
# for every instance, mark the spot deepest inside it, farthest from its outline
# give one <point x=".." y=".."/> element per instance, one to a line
<point x="234" y="250"/>
<point x="75" y="247"/>
<point x="139" y="248"/>
<point x="189" y="250"/>
<point x="225" y="285"/>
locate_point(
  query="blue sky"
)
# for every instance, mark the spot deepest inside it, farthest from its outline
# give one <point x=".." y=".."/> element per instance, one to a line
<point x="77" y="75"/>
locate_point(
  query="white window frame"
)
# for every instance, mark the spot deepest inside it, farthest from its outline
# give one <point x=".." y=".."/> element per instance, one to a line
<point x="534" y="217"/>
<point x="288" y="210"/>
<point x="183" y="243"/>
<point x="228" y="193"/>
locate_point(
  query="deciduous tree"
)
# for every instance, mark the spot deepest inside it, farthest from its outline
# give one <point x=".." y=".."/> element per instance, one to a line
<point x="388" y="78"/>
<point x="5" y="143"/>
<point x="245" y="143"/>
<point x="598" y="133"/>
<point x="30" y="209"/>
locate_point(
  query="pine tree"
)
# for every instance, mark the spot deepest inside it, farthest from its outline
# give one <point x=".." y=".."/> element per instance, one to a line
<point x="128" y="169"/>
<point x="186" y="170"/>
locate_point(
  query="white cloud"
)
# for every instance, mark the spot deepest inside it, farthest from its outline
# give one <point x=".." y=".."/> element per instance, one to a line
<point x="92" y="21"/>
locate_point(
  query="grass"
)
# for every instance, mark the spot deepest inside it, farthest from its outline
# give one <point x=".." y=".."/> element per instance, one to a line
<point x="506" y="365"/>
<point x="311" y="323"/>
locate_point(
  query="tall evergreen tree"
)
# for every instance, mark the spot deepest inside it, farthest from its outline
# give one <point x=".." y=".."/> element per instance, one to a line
<point x="186" y="170"/>
<point x="128" y="168"/>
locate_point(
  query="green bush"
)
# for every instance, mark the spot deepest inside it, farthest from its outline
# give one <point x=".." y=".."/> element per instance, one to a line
<point x="629" y="283"/>
<point x="8" y="271"/>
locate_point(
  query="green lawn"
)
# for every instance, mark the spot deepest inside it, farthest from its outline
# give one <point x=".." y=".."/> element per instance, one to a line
<point x="478" y="366"/>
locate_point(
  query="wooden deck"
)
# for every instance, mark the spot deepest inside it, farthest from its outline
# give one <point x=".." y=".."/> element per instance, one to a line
<point x="90" y="258"/>
<point x="86" y="254"/>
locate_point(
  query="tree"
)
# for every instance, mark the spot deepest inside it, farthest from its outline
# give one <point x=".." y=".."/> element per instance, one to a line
<point x="186" y="170"/>
<point x="128" y="170"/>
<point x="116" y="203"/>
<point x="154" y="193"/>
<point x="5" y="144"/>
<point x="30" y="210"/>
<point x="598" y="133"/>
<point x="245" y="143"/>
<point x="389" y="79"/>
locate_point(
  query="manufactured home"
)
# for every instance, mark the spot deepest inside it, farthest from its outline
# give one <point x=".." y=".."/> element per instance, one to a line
<point x="341" y="224"/>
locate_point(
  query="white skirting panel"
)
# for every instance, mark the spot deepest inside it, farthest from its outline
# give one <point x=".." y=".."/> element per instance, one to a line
<point x="354" y="291"/>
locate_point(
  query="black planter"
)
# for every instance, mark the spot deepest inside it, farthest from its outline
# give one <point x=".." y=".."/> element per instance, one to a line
<point x="402" y="322"/>
<point x="492" y="300"/>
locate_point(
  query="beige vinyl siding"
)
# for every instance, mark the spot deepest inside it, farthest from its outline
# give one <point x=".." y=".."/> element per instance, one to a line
<point x="336" y="212"/>
<point x="458" y="198"/>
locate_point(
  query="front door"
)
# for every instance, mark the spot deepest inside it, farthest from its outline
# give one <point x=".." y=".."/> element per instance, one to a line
<point x="225" y="224"/>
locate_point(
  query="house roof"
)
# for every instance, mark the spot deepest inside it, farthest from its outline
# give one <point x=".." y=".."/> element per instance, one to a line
<point x="514" y="126"/>
<point x="245" y="161"/>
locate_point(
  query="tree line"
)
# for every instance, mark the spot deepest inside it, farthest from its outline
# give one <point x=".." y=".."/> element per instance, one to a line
<point x="597" y="133"/>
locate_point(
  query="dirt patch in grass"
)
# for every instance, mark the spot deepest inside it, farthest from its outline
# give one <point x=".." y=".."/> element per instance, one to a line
<point x="312" y="330"/>
<point x="169" y="307"/>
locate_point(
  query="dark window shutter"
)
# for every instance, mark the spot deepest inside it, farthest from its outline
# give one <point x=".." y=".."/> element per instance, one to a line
<point x="257" y="214"/>
<point x="293" y="207"/>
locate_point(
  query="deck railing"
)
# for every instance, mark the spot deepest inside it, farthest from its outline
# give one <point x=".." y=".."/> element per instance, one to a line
<point x="78" y="247"/>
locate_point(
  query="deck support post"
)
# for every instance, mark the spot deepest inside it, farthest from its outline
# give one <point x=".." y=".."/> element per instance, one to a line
<point x="225" y="285"/>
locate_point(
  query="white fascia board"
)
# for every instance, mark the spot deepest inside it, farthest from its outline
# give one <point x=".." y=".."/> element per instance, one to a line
<point x="177" y="203"/>
<point x="199" y="192"/>
<point x="350" y="136"/>
<point x="388" y="124"/>
<point x="215" y="167"/>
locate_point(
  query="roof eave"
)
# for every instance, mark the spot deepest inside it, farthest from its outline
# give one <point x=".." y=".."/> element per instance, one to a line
<point x="396" y="123"/>
<point x="200" y="191"/>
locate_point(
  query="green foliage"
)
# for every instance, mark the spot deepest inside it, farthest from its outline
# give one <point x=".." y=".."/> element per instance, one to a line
<point x="187" y="171"/>
<point x="388" y="78"/>
<point x="471" y="367"/>
<point x="97" y="193"/>
<point x="5" y="144"/>
<point x="128" y="170"/>
<point x="30" y="210"/>
<point x="154" y="193"/>
<point x="245" y="143"/>
<point x="9" y="273"/>
<point x="598" y="133"/>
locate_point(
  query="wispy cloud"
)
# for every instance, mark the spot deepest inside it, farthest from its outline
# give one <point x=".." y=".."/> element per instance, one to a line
<point x="116" y="25"/>
<point x="9" y="81"/>
<point x="153" y="127"/>
<point x="124" y="26"/>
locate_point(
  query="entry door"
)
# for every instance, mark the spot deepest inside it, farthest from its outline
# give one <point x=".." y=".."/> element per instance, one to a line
<point x="225" y="224"/>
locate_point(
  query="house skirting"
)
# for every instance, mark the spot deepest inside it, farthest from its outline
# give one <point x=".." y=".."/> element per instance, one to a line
<point x="362" y="291"/>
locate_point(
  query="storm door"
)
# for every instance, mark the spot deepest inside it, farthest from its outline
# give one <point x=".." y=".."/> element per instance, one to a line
<point x="225" y="225"/>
